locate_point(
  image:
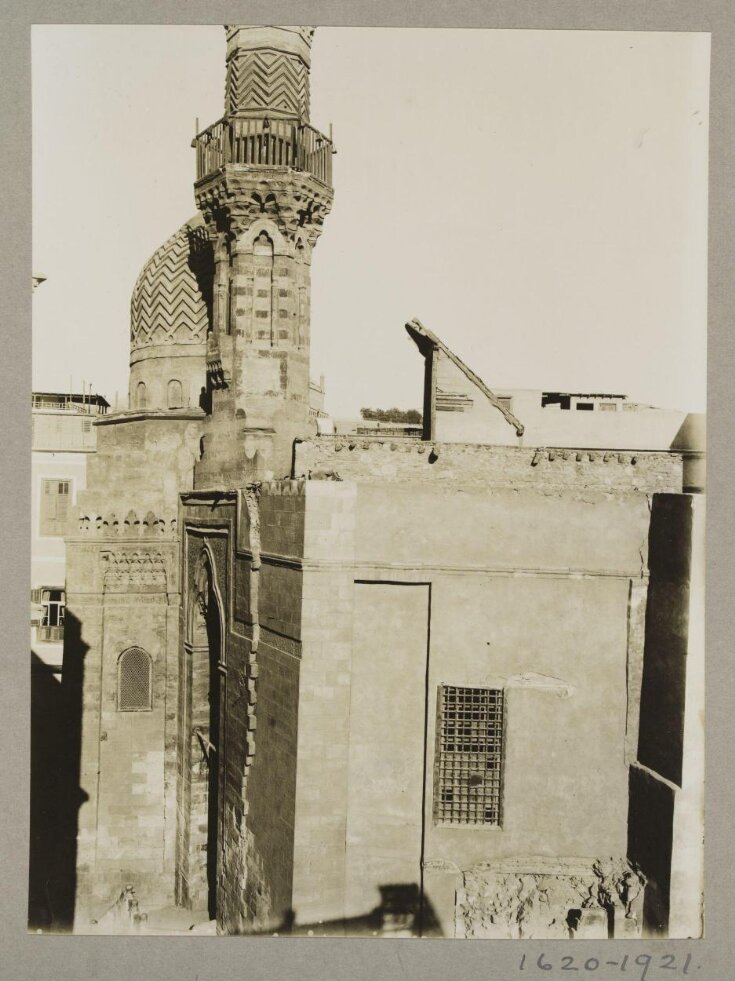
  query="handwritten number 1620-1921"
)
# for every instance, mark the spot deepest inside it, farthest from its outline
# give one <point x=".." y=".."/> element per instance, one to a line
<point x="644" y="962"/>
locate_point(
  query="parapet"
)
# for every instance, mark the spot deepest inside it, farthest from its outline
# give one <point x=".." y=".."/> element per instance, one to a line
<point x="93" y="525"/>
<point x="479" y="466"/>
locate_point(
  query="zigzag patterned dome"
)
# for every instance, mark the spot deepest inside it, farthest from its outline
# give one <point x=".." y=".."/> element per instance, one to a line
<point x="172" y="297"/>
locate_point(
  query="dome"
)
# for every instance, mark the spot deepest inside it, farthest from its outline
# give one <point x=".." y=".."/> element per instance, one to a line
<point x="172" y="297"/>
<point x="170" y="315"/>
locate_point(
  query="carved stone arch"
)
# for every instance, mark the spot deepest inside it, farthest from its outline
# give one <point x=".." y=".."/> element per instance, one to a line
<point x="263" y="245"/>
<point x="202" y="728"/>
<point x="246" y="239"/>
<point x="203" y="580"/>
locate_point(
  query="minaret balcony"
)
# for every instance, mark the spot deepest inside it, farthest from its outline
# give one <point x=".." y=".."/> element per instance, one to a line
<point x="250" y="141"/>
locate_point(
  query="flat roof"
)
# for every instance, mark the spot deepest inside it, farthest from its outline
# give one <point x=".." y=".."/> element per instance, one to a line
<point x="76" y="397"/>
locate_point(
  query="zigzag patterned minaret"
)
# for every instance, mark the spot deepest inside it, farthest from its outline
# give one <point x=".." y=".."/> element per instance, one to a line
<point x="264" y="188"/>
<point x="265" y="73"/>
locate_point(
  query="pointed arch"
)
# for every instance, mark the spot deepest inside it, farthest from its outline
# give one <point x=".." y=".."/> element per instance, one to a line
<point x="202" y="583"/>
<point x="244" y="242"/>
<point x="203" y="735"/>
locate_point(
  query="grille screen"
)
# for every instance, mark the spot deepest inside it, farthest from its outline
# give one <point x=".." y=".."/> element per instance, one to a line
<point x="134" y="681"/>
<point x="469" y="756"/>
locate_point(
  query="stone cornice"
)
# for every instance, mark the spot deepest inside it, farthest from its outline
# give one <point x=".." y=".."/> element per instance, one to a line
<point x="138" y="415"/>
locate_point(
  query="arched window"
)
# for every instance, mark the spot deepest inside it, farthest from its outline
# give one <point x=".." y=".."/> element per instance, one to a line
<point x="134" y="681"/>
<point x="175" y="397"/>
<point x="140" y="395"/>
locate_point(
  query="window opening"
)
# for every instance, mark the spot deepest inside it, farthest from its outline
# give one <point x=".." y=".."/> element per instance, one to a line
<point x="54" y="507"/>
<point x="134" y="681"/>
<point x="469" y="755"/>
<point x="53" y="603"/>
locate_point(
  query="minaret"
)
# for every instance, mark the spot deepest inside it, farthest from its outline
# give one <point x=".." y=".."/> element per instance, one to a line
<point x="264" y="189"/>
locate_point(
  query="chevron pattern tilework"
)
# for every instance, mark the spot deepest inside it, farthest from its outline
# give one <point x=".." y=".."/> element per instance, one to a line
<point x="172" y="298"/>
<point x="268" y="79"/>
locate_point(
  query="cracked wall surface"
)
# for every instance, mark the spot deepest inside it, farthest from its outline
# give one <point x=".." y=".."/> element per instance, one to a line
<point x="603" y="898"/>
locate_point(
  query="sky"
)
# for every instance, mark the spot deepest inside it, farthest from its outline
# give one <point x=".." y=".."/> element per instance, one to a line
<point x="538" y="199"/>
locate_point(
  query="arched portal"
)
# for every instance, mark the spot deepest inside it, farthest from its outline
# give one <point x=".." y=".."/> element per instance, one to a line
<point x="201" y="744"/>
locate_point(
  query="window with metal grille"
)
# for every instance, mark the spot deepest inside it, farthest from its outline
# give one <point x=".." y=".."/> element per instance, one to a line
<point x="134" y="681"/>
<point x="469" y="756"/>
<point x="54" y="507"/>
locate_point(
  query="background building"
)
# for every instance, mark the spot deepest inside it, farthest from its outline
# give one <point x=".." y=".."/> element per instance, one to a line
<point x="63" y="436"/>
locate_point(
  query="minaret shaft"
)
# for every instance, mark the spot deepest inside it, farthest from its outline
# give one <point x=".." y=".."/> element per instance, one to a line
<point x="264" y="189"/>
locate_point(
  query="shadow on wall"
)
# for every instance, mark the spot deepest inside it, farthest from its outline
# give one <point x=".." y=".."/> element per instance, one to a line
<point x="56" y="795"/>
<point x="401" y="913"/>
<point x="661" y="728"/>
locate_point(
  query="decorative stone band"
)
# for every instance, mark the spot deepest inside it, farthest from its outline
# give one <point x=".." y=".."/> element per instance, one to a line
<point x="126" y="569"/>
<point x="295" y="202"/>
<point x="283" y="488"/>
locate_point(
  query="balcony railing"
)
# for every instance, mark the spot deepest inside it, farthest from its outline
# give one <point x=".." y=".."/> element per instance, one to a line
<point x="264" y="142"/>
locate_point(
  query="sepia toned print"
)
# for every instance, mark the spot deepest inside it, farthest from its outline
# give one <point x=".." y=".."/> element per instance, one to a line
<point x="426" y="673"/>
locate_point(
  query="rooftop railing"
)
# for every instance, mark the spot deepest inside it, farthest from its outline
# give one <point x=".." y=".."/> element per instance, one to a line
<point x="262" y="142"/>
<point x="68" y="403"/>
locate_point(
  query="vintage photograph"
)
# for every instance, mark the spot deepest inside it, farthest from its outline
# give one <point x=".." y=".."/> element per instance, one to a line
<point x="368" y="482"/>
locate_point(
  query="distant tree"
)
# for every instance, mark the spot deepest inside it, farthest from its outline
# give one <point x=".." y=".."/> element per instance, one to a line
<point x="411" y="416"/>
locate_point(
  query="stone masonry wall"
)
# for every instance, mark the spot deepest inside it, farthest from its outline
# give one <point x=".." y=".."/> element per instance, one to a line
<point x="123" y="594"/>
<point x="324" y="702"/>
<point x="541" y="602"/>
<point x="261" y="706"/>
<point x="123" y="591"/>
<point x="558" y="899"/>
<point x="142" y="462"/>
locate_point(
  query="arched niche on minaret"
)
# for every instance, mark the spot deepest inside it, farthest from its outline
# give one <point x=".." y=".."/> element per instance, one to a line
<point x="302" y="257"/>
<point x="245" y="240"/>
